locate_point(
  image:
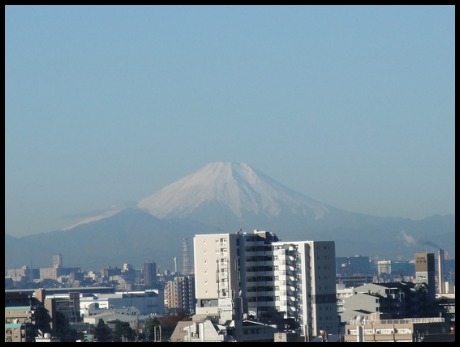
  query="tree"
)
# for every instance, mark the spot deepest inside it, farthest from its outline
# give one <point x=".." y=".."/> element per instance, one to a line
<point x="168" y="324"/>
<point x="102" y="331"/>
<point x="150" y="325"/>
<point x="164" y="325"/>
<point x="62" y="325"/>
<point x="123" y="331"/>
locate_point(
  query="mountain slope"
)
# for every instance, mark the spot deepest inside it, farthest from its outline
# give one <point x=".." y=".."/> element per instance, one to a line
<point x="237" y="186"/>
<point x="233" y="196"/>
<point x="226" y="197"/>
<point x="130" y="236"/>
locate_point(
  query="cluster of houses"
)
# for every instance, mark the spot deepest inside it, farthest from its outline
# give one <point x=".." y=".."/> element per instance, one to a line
<point x="244" y="287"/>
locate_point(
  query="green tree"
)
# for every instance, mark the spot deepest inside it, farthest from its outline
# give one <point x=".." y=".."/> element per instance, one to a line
<point x="150" y="325"/>
<point x="123" y="331"/>
<point x="62" y="324"/>
<point x="102" y="331"/>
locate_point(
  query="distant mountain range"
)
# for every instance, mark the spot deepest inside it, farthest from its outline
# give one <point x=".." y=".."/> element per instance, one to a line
<point x="225" y="197"/>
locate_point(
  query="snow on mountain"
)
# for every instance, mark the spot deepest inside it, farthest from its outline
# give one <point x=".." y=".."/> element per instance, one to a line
<point x="237" y="186"/>
<point x="226" y="197"/>
<point x="91" y="219"/>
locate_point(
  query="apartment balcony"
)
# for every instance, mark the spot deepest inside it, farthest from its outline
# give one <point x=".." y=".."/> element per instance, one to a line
<point x="251" y="263"/>
<point x="259" y="294"/>
<point x="292" y="289"/>
<point x="260" y="283"/>
<point x="291" y="257"/>
<point x="292" y="299"/>
<point x="293" y="310"/>
<point x="292" y="279"/>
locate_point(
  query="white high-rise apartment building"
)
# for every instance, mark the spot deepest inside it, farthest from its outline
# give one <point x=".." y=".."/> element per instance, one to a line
<point x="217" y="275"/>
<point x="256" y="274"/>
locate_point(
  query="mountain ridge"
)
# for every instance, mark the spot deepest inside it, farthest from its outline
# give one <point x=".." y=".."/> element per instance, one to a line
<point x="237" y="185"/>
<point x="225" y="197"/>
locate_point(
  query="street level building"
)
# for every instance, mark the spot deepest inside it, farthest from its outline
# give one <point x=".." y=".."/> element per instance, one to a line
<point x="374" y="329"/>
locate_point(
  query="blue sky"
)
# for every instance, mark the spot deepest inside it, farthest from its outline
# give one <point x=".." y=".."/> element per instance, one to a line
<point x="350" y="105"/>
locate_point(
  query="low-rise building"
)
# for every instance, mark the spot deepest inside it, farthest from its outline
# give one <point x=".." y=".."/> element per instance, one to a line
<point x="203" y="329"/>
<point x="371" y="328"/>
<point x="199" y="331"/>
<point x="397" y="299"/>
<point x="47" y="337"/>
<point x="147" y="302"/>
<point x="24" y="316"/>
<point x="180" y="294"/>
<point x="110" y="316"/>
<point x="17" y="332"/>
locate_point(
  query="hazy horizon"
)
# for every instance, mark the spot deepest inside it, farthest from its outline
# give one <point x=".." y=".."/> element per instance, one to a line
<point x="352" y="106"/>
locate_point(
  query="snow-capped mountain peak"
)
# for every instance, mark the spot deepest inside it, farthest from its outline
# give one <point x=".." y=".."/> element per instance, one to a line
<point x="236" y="186"/>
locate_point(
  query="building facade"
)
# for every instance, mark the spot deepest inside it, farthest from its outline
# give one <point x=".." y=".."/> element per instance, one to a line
<point x="305" y="284"/>
<point x="150" y="275"/>
<point x="180" y="294"/>
<point x="425" y="272"/>
<point x="57" y="260"/>
<point x="24" y="316"/>
<point x="398" y="330"/>
<point x="441" y="284"/>
<point x="395" y="300"/>
<point x="241" y="274"/>
<point x="356" y="265"/>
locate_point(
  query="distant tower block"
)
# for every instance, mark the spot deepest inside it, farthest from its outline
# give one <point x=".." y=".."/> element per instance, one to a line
<point x="57" y="260"/>
<point x="425" y="269"/>
<point x="150" y="274"/>
<point x="187" y="270"/>
<point x="441" y="287"/>
<point x="175" y="265"/>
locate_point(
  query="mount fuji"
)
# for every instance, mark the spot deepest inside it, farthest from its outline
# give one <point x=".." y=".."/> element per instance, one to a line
<point x="225" y="197"/>
<point x="233" y="193"/>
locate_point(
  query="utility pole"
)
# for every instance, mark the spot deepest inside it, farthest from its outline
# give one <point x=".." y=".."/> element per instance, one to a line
<point x="307" y="333"/>
<point x="155" y="329"/>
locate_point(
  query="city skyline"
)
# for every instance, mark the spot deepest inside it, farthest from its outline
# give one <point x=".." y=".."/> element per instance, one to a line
<point x="105" y="105"/>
